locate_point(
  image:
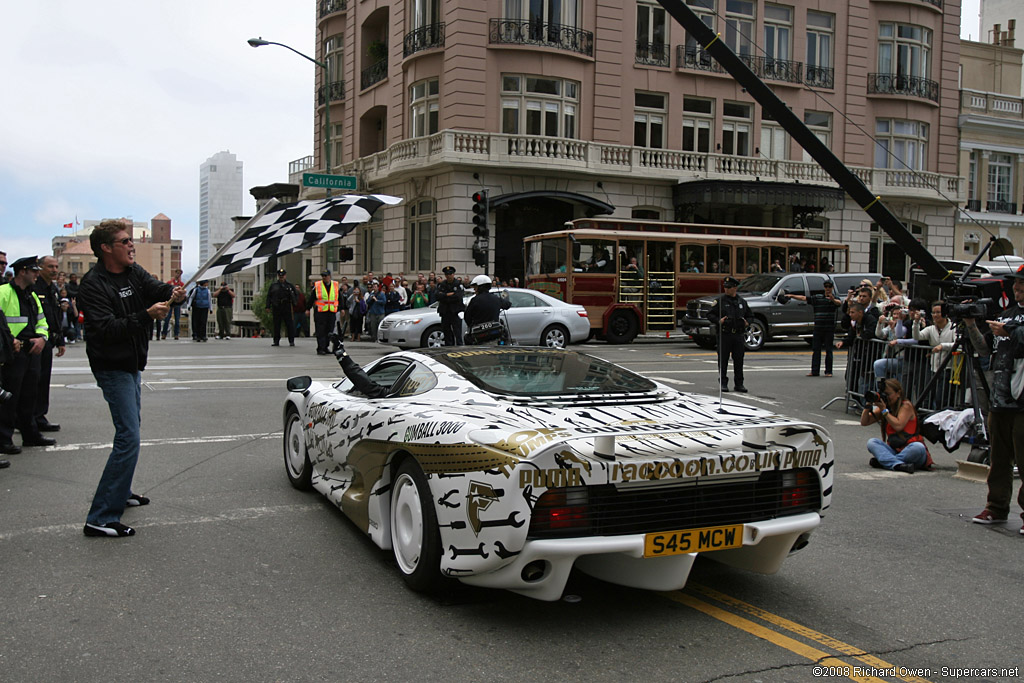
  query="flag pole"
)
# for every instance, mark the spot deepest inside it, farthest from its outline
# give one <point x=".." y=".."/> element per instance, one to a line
<point x="271" y="203"/>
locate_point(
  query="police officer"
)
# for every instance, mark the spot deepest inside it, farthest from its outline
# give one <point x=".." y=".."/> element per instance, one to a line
<point x="46" y="289"/>
<point x="323" y="295"/>
<point x="8" y="347"/>
<point x="486" y="306"/>
<point x="449" y="297"/>
<point x="731" y="312"/>
<point x="280" y="299"/>
<point x="20" y="375"/>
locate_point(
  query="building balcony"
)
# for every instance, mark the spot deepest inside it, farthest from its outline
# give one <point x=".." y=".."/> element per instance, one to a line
<point x="334" y="90"/>
<point x="653" y="54"/>
<point x="991" y="104"/>
<point x="1000" y="206"/>
<point x="819" y="76"/>
<point x="423" y="38"/>
<point x="779" y="69"/>
<point x="375" y="73"/>
<point x="973" y="205"/>
<point x="538" y="154"/>
<point x="897" y="84"/>
<point x="543" y="34"/>
<point x="769" y="68"/>
<point x="696" y="58"/>
<point x="325" y="7"/>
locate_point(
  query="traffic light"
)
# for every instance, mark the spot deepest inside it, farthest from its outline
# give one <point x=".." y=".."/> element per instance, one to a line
<point x="480" y="253"/>
<point x="480" y="210"/>
<point x="346" y="254"/>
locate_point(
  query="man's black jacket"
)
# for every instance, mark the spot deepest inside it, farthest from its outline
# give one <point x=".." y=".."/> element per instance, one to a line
<point x="47" y="293"/>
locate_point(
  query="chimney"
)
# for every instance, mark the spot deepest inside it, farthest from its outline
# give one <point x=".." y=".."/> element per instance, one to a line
<point x="1010" y="25"/>
<point x="996" y="33"/>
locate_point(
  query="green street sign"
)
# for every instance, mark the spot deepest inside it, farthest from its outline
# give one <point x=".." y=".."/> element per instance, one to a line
<point x="334" y="182"/>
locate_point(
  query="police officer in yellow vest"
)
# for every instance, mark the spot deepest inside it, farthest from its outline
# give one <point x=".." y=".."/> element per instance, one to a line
<point x="324" y="296"/>
<point x="20" y="375"/>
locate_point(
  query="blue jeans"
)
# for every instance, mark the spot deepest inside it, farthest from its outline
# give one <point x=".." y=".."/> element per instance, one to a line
<point x="914" y="454"/>
<point x="888" y="367"/>
<point x="123" y="393"/>
<point x="176" y="312"/>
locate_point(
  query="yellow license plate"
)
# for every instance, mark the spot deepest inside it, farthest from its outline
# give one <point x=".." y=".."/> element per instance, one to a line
<point x="693" y="540"/>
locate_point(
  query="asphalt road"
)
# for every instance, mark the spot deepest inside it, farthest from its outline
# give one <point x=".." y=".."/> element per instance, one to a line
<point x="236" y="576"/>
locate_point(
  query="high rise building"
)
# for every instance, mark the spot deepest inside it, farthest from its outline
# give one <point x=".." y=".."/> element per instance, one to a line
<point x="564" y="109"/>
<point x="220" y="199"/>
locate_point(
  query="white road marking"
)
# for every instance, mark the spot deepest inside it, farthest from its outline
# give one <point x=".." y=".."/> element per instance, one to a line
<point x="165" y="442"/>
<point x="784" y="368"/>
<point x="241" y="514"/>
<point x="680" y="382"/>
<point x="852" y="423"/>
<point x="756" y="399"/>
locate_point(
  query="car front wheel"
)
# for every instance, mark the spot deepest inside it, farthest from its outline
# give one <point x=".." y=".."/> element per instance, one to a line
<point x="296" y="460"/>
<point x="433" y="338"/>
<point x="415" y="538"/>
<point x="554" y="337"/>
<point x="755" y="335"/>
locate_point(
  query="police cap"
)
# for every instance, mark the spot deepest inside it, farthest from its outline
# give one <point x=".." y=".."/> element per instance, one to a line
<point x="282" y="271"/>
<point x="448" y="270"/>
<point x="325" y="273"/>
<point x="730" y="282"/>
<point x="30" y="262"/>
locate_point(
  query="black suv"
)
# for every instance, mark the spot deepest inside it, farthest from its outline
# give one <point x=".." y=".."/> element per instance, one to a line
<point x="773" y="321"/>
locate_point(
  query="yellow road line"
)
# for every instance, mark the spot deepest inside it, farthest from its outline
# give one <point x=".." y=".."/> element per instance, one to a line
<point x="799" y="629"/>
<point x="819" y="657"/>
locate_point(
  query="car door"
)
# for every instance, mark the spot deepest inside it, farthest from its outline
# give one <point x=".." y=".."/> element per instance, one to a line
<point x="794" y="316"/>
<point x="527" y="317"/>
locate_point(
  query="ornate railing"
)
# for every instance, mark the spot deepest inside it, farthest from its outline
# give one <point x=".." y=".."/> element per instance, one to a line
<point x="973" y="205"/>
<point x="779" y="69"/>
<point x="1000" y="206"/>
<point x="424" y="38"/>
<point x="897" y="84"/>
<point x="529" y="32"/>
<point x="325" y="7"/>
<point x="653" y="54"/>
<point x="335" y="91"/>
<point x="696" y="58"/>
<point x="375" y="73"/>
<point x="819" y="76"/>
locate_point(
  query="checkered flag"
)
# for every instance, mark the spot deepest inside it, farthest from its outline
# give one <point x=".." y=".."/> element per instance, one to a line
<point x="281" y="229"/>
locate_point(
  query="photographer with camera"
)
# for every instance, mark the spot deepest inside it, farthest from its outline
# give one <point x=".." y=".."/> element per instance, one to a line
<point x="895" y="329"/>
<point x="940" y="337"/>
<point x="901" y="447"/>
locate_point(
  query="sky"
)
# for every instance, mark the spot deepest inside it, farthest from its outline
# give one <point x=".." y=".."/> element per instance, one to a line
<point x="110" y="106"/>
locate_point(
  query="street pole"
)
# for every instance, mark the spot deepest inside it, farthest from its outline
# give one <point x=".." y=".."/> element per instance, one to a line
<point x="259" y="42"/>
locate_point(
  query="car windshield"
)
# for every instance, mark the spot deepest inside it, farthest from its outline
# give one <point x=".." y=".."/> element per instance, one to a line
<point x="758" y="284"/>
<point x="543" y="372"/>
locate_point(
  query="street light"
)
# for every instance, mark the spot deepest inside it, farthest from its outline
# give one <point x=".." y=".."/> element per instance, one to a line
<point x="259" y="42"/>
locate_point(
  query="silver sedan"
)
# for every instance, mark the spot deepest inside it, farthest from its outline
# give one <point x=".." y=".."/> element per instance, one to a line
<point x="534" y="318"/>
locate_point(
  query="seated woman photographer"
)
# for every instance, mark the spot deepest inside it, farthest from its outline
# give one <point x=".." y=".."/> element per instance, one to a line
<point x="901" y="447"/>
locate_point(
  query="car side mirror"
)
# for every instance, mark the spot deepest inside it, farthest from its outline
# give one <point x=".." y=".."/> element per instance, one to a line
<point x="299" y="384"/>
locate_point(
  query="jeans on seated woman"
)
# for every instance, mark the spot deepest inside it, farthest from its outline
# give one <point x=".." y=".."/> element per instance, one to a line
<point x="900" y="447"/>
<point x="913" y="454"/>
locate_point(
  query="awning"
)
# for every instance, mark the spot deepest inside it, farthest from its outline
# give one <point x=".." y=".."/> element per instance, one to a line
<point x="757" y="193"/>
<point x="596" y="204"/>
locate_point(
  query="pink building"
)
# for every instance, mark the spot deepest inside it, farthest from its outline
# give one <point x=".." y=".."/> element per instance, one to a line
<point x="562" y="109"/>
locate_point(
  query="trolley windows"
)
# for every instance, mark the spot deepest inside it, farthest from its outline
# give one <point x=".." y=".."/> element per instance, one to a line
<point x="719" y="259"/>
<point x="546" y="256"/>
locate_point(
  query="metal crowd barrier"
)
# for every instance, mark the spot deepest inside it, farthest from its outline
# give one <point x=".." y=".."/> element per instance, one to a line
<point x="872" y="359"/>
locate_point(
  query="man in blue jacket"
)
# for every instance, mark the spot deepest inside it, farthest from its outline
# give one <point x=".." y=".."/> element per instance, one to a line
<point x="121" y="302"/>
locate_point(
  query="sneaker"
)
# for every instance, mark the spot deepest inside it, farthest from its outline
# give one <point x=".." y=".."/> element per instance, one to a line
<point x="135" y="500"/>
<point x="111" y="529"/>
<point x="986" y="517"/>
<point x="906" y="467"/>
<point x="873" y="462"/>
<point x="742" y="389"/>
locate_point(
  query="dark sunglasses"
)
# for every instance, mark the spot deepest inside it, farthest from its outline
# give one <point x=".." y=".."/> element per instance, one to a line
<point x="126" y="241"/>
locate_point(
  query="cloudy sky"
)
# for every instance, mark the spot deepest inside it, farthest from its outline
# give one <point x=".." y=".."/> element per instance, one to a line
<point x="110" y="106"/>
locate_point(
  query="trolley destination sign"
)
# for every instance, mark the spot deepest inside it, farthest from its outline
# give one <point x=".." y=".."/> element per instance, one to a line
<point x="333" y="182"/>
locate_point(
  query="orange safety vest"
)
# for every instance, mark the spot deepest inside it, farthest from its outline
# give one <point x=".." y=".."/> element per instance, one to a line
<point x="326" y="300"/>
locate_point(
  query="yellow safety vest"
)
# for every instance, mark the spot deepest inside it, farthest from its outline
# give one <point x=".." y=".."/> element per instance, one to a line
<point x="11" y="307"/>
<point x="326" y="300"/>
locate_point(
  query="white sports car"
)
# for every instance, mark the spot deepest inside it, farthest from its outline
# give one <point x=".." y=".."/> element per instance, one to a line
<point x="508" y="466"/>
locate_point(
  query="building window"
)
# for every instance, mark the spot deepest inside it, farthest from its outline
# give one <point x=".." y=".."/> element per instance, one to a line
<point x="739" y="26"/>
<point x="421" y="235"/>
<point x="778" y="32"/>
<point x="539" y="106"/>
<point x="901" y="144"/>
<point x="338" y="142"/>
<point x="886" y="257"/>
<point x="649" y="119"/>
<point x="736" y="117"/>
<point x="695" y="55"/>
<point x="646" y="214"/>
<point x="424" y="107"/>
<point x="972" y="182"/>
<point x="425" y="13"/>
<point x="904" y="49"/>
<point x="540" y="12"/>
<point x="651" y="42"/>
<point x="1000" y="183"/>
<point x="247" y="294"/>
<point x="820" y="32"/>
<point x="698" y="116"/>
<point x="820" y="123"/>
<point x="372" y="241"/>
<point x="333" y="55"/>
<point x="774" y="141"/>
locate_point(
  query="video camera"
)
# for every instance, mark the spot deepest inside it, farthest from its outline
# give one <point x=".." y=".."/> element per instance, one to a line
<point x="961" y="307"/>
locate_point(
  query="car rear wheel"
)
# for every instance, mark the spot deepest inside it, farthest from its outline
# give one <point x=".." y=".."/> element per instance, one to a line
<point x="622" y="328"/>
<point x="554" y="337"/>
<point x="433" y="337"/>
<point x="755" y="335"/>
<point x="704" y="342"/>
<point x="415" y="538"/>
<point x="296" y="460"/>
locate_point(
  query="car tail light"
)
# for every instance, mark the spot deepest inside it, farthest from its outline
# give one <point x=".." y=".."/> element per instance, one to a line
<point x="799" y="488"/>
<point x="561" y="510"/>
<point x="582" y="313"/>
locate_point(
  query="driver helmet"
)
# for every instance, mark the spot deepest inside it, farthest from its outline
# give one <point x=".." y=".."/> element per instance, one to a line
<point x="481" y="280"/>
